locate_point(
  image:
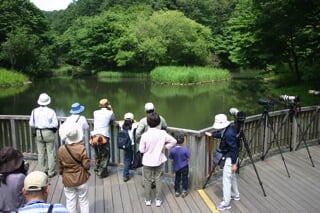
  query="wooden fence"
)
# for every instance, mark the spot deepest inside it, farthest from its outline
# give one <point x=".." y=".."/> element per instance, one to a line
<point x="266" y="133"/>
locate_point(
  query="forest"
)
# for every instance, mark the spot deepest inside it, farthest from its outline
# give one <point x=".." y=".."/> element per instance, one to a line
<point x="282" y="37"/>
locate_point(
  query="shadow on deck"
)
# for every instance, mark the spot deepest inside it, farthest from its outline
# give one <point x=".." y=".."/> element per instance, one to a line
<point x="298" y="193"/>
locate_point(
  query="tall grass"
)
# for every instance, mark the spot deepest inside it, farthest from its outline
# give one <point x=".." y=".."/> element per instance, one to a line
<point x="188" y="75"/>
<point x="8" y="77"/>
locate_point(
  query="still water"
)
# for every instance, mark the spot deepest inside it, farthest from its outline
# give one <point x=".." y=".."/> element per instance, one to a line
<point x="190" y="107"/>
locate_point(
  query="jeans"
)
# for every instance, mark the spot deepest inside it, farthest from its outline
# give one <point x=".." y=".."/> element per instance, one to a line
<point x="229" y="182"/>
<point x="45" y="140"/>
<point x="73" y="194"/>
<point x="181" y="177"/>
<point x="128" y="156"/>
<point x="149" y="173"/>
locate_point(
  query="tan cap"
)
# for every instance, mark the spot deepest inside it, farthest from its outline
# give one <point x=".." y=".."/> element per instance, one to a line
<point x="35" y="181"/>
<point x="103" y="102"/>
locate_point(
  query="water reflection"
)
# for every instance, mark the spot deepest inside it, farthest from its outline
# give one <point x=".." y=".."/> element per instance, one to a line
<point x="191" y="107"/>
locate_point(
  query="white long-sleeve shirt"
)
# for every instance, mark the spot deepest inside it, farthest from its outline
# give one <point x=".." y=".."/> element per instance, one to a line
<point x="152" y="144"/>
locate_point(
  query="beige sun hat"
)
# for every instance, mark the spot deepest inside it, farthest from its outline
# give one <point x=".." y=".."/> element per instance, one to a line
<point x="220" y="121"/>
<point x="71" y="132"/>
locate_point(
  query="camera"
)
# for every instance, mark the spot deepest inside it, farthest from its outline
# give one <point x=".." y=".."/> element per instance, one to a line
<point x="240" y="116"/>
<point x="266" y="102"/>
<point x="290" y="99"/>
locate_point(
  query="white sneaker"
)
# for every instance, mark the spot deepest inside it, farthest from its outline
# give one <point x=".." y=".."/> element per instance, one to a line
<point x="223" y="206"/>
<point x="148" y="202"/>
<point x="158" y="203"/>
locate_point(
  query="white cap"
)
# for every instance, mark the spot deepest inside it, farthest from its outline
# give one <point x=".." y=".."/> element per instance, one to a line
<point x="128" y="115"/>
<point x="35" y="181"/>
<point x="148" y="106"/>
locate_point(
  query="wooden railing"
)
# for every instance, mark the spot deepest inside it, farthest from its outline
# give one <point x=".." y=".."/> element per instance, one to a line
<point x="265" y="133"/>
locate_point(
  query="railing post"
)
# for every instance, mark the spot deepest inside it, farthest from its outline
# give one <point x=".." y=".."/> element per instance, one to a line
<point x="13" y="133"/>
<point x="197" y="163"/>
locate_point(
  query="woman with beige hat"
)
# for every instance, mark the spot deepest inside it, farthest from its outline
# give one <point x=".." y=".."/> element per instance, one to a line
<point x="74" y="166"/>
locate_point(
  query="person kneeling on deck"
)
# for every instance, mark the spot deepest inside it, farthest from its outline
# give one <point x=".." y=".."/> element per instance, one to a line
<point x="230" y="150"/>
<point x="36" y="191"/>
<point x="100" y="136"/>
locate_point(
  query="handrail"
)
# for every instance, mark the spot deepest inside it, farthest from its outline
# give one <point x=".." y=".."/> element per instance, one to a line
<point x="261" y="135"/>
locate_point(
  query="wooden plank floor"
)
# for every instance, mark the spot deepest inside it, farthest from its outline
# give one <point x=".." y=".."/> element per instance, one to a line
<point x="298" y="193"/>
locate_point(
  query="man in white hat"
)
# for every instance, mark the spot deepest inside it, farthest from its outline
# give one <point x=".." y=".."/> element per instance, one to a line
<point x="230" y="149"/>
<point x="44" y="120"/>
<point x="143" y="125"/>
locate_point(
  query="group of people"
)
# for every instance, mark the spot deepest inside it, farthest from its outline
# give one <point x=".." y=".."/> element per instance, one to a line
<point x="73" y="160"/>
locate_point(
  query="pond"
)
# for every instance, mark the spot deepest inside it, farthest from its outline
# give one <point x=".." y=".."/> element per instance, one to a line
<point x="190" y="107"/>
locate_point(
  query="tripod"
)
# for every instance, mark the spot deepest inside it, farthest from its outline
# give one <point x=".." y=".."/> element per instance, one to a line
<point x="265" y="117"/>
<point x="292" y="113"/>
<point x="243" y="139"/>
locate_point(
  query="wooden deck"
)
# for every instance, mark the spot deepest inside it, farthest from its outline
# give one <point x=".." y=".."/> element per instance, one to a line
<point x="298" y="193"/>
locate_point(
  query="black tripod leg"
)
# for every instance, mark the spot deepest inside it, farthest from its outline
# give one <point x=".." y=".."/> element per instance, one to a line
<point x="275" y="134"/>
<point x="246" y="145"/>
<point x="304" y="140"/>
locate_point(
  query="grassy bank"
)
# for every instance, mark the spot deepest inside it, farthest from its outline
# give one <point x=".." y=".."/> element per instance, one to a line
<point x="11" y="78"/>
<point x="188" y="75"/>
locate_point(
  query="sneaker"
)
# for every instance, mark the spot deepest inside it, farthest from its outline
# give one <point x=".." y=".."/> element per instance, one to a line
<point x="223" y="206"/>
<point x="235" y="198"/>
<point x="158" y="203"/>
<point x="148" y="202"/>
<point x="184" y="193"/>
<point x="125" y="179"/>
<point x="177" y="194"/>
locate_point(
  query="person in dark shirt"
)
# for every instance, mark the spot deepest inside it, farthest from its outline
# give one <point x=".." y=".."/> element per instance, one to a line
<point x="180" y="155"/>
<point x="230" y="149"/>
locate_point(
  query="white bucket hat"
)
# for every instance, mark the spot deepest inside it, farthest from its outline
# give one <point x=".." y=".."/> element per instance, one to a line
<point x="220" y="121"/>
<point x="44" y="99"/>
<point x="71" y="132"/>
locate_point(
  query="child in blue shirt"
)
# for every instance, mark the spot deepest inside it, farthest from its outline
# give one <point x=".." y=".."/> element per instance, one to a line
<point x="180" y="156"/>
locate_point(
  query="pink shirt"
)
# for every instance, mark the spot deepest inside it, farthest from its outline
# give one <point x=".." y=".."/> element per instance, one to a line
<point x="152" y="144"/>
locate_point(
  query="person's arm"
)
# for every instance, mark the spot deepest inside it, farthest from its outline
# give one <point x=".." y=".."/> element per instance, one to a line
<point x="164" y="124"/>
<point x="170" y="141"/>
<point x="139" y="131"/>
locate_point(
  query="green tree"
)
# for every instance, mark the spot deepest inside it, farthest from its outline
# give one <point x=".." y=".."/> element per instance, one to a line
<point x="23" y="29"/>
<point x="170" y="38"/>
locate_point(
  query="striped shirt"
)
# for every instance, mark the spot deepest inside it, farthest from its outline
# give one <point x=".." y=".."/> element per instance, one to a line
<point x="39" y="206"/>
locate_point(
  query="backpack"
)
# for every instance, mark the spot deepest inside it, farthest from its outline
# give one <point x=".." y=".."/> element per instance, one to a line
<point x="124" y="141"/>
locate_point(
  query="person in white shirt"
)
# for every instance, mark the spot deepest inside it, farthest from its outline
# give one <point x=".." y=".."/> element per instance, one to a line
<point x="77" y="117"/>
<point x="44" y="120"/>
<point x="100" y="136"/>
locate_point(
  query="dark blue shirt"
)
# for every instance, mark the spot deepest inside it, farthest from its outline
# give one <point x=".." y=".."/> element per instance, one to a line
<point x="228" y="145"/>
<point x="180" y="156"/>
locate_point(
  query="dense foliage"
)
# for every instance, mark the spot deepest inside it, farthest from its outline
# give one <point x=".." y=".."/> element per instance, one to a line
<point x="96" y="35"/>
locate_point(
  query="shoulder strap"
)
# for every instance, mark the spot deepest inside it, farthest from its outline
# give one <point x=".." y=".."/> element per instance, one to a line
<point x="67" y="148"/>
<point x="50" y="208"/>
<point x="78" y="118"/>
